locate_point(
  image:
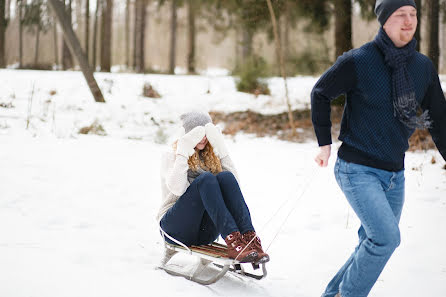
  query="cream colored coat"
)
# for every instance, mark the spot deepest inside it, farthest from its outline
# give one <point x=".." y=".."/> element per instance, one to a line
<point x="174" y="178"/>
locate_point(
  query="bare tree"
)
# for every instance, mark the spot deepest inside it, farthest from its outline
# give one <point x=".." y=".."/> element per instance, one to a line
<point x="106" y="35"/>
<point x="76" y="49"/>
<point x="281" y="63"/>
<point x="191" y="8"/>
<point x="67" y="59"/>
<point x="127" y="33"/>
<point x="173" y="37"/>
<point x="343" y="26"/>
<point x="95" y="33"/>
<point x="417" y="32"/>
<point x="140" y="25"/>
<point x="2" y="33"/>
<point x="56" y="43"/>
<point x="87" y="27"/>
<point x="20" y="14"/>
<point x="433" y="17"/>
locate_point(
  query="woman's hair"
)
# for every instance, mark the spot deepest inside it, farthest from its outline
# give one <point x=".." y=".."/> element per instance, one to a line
<point x="209" y="161"/>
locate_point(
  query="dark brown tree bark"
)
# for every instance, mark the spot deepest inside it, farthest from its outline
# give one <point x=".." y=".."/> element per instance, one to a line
<point x="140" y="26"/>
<point x="173" y="37"/>
<point x="87" y="27"/>
<point x="106" y="35"/>
<point x="20" y="13"/>
<point x="343" y="26"/>
<point x="191" y="36"/>
<point x="417" y="32"/>
<point x="433" y="18"/>
<point x="2" y="33"/>
<point x="67" y="59"/>
<point x="94" y="51"/>
<point x="76" y="49"/>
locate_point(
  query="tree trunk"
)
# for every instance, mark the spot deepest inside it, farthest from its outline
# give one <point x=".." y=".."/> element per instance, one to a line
<point x="281" y="64"/>
<point x="36" y="51"/>
<point x="8" y="9"/>
<point x="191" y="36"/>
<point x="94" y="51"/>
<point x="20" y="8"/>
<point x="140" y="25"/>
<point x="87" y="27"/>
<point x="247" y="37"/>
<point x="127" y="34"/>
<point x="76" y="49"/>
<point x="417" y="32"/>
<point x="173" y="37"/>
<point x="106" y="35"/>
<point x="2" y="33"/>
<point x="67" y="59"/>
<point x="343" y="26"/>
<point x="56" y="44"/>
<point x="433" y="17"/>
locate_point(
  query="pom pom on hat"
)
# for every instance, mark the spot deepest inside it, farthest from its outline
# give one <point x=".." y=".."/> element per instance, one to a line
<point x="193" y="119"/>
<point x="385" y="8"/>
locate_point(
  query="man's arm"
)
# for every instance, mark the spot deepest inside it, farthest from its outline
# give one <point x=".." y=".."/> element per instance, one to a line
<point x="435" y="102"/>
<point x="337" y="80"/>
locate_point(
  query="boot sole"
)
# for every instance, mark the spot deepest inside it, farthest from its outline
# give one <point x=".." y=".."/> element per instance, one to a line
<point x="251" y="257"/>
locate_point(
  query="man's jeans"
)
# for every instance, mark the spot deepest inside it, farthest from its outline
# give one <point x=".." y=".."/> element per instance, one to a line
<point x="377" y="197"/>
<point x="211" y="205"/>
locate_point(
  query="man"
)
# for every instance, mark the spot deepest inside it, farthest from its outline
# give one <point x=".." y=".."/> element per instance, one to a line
<point x="385" y="81"/>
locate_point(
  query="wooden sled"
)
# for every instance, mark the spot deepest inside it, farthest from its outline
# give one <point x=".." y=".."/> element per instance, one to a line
<point x="215" y="253"/>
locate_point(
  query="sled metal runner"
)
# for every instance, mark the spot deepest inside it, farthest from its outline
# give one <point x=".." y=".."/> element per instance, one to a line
<point x="215" y="253"/>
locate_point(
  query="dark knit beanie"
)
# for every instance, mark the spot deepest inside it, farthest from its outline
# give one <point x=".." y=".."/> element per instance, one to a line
<point x="193" y="119"/>
<point x="385" y="8"/>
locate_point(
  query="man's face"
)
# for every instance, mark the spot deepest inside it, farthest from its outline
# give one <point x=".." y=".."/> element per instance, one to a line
<point x="401" y="25"/>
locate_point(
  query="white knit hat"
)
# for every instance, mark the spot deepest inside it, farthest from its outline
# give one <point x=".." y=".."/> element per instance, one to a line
<point x="193" y="119"/>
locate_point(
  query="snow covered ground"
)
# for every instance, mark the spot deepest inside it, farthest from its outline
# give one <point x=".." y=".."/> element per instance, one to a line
<point x="77" y="211"/>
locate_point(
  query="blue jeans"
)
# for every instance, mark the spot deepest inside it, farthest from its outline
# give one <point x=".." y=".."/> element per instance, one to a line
<point x="377" y="197"/>
<point x="212" y="205"/>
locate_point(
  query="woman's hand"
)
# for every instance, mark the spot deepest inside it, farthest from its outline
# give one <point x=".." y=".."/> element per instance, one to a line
<point x="323" y="156"/>
<point x="216" y="139"/>
<point x="187" y="143"/>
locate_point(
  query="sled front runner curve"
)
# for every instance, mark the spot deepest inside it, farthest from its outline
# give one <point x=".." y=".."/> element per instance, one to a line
<point x="215" y="253"/>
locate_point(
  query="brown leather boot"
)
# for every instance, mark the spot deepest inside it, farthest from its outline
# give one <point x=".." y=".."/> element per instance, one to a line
<point x="248" y="237"/>
<point x="236" y="248"/>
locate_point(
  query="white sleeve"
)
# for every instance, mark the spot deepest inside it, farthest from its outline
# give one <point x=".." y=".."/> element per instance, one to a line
<point x="174" y="168"/>
<point x="228" y="165"/>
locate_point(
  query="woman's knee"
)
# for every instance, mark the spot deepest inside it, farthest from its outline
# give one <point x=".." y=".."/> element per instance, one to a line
<point x="205" y="177"/>
<point x="226" y="177"/>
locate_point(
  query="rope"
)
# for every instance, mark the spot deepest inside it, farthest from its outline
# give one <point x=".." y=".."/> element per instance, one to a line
<point x="305" y="188"/>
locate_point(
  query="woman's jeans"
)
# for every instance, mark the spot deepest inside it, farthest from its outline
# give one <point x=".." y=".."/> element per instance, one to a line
<point x="377" y="197"/>
<point x="211" y="205"/>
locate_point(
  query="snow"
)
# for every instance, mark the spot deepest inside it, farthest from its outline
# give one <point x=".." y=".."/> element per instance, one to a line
<point x="77" y="211"/>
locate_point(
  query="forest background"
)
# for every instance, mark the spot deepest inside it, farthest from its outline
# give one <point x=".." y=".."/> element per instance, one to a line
<point x="189" y="36"/>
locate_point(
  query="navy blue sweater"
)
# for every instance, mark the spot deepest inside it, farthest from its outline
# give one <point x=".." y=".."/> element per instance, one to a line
<point x="370" y="133"/>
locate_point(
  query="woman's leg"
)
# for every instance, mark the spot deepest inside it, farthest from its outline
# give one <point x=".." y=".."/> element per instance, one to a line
<point x="183" y="220"/>
<point x="234" y="201"/>
<point x="376" y="197"/>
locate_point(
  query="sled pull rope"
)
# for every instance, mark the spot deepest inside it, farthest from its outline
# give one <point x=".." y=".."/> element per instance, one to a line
<point x="305" y="188"/>
<point x="174" y="240"/>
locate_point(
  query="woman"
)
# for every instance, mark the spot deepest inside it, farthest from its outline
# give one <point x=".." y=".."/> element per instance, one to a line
<point x="201" y="195"/>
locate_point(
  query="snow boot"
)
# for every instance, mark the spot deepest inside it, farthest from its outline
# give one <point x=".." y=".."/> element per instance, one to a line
<point x="262" y="256"/>
<point x="238" y="250"/>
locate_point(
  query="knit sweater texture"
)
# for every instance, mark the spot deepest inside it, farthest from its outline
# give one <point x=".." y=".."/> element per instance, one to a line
<point x="370" y="132"/>
<point x="174" y="178"/>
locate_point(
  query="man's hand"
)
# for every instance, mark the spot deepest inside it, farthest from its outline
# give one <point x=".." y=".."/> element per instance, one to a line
<point x="323" y="156"/>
